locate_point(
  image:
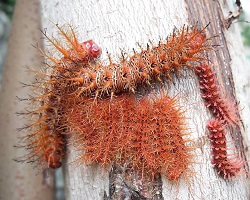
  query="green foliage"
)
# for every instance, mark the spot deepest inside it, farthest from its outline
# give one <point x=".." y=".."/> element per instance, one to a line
<point x="246" y="35"/>
<point x="7" y="6"/>
<point x="245" y="29"/>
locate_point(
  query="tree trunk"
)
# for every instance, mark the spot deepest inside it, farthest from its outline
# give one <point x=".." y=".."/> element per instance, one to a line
<point x="116" y="25"/>
<point x="20" y="180"/>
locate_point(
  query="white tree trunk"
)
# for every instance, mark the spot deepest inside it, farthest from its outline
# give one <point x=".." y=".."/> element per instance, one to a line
<point x="116" y="25"/>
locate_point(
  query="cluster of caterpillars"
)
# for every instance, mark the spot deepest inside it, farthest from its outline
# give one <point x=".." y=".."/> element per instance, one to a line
<point x="146" y="134"/>
<point x="97" y="104"/>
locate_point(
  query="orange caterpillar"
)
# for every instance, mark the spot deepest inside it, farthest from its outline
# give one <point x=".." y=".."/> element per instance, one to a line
<point x="182" y="48"/>
<point x="154" y="63"/>
<point x="148" y="135"/>
<point x="226" y="167"/>
<point x="45" y="141"/>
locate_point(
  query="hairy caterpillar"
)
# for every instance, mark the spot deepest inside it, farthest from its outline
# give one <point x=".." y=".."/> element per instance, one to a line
<point x="46" y="142"/>
<point x="220" y="105"/>
<point x="182" y="48"/>
<point x="226" y="167"/>
<point x="148" y="134"/>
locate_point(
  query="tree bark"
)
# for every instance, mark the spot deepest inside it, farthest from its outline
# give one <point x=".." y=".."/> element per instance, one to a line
<point x="116" y="25"/>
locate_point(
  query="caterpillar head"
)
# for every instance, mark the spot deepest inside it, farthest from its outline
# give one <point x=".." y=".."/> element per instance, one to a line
<point x="92" y="49"/>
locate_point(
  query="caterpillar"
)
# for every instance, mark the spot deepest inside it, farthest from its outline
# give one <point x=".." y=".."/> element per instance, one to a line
<point x="181" y="49"/>
<point x="226" y="114"/>
<point x="221" y="106"/>
<point x="226" y="167"/>
<point x="45" y="141"/>
<point x="147" y="134"/>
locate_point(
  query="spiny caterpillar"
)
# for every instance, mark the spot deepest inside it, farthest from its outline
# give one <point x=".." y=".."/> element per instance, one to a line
<point x="46" y="142"/>
<point x="216" y="100"/>
<point x="226" y="167"/>
<point x="148" y="135"/>
<point x="181" y="49"/>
